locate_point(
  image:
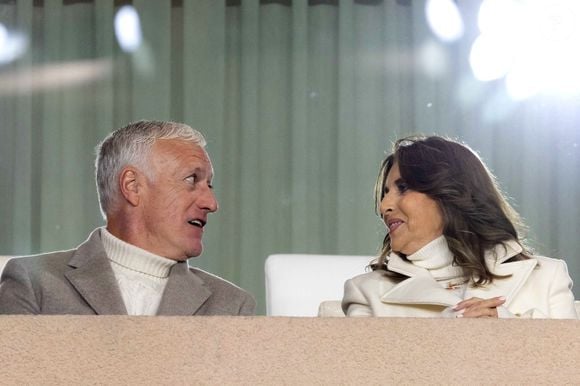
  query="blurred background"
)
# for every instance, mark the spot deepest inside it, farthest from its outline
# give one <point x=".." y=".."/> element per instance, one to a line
<point x="300" y="101"/>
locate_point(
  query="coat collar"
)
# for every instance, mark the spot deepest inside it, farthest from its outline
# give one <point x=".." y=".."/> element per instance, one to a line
<point x="422" y="288"/>
<point x="93" y="278"/>
<point x="515" y="273"/>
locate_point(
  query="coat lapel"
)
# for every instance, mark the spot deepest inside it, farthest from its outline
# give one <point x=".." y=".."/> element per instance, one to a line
<point x="515" y="273"/>
<point x="419" y="288"/>
<point x="94" y="279"/>
<point x="184" y="294"/>
<point x="422" y="288"/>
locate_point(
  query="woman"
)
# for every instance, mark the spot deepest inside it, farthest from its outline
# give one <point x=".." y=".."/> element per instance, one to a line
<point x="451" y="248"/>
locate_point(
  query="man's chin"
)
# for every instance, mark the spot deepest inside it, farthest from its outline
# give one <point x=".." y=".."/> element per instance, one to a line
<point x="194" y="252"/>
<point x="187" y="254"/>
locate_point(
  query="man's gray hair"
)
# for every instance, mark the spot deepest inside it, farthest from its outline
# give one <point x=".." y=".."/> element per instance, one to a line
<point x="131" y="145"/>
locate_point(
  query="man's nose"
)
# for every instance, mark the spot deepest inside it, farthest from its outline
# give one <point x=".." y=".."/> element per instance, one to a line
<point x="208" y="200"/>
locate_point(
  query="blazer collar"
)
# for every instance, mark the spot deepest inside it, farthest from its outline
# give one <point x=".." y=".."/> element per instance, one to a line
<point x="422" y="288"/>
<point x="94" y="279"/>
<point x="95" y="282"/>
<point x="185" y="292"/>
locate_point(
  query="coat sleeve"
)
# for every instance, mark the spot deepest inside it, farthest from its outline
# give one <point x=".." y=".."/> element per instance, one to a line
<point x="17" y="294"/>
<point x="561" y="298"/>
<point x="354" y="303"/>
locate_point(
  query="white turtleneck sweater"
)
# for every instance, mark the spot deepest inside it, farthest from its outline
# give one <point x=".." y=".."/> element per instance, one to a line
<point x="141" y="275"/>
<point x="436" y="258"/>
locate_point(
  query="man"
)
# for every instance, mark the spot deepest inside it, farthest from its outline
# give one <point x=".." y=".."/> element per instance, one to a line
<point x="154" y="183"/>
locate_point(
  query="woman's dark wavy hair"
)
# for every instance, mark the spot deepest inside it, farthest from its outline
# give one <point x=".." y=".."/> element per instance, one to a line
<point x="476" y="215"/>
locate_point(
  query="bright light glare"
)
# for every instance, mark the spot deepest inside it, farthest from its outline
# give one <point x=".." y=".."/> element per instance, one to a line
<point x="128" y="28"/>
<point x="12" y="45"/>
<point x="533" y="43"/>
<point x="490" y="57"/>
<point x="563" y="77"/>
<point x="444" y="19"/>
<point x="497" y="16"/>
<point x="521" y="83"/>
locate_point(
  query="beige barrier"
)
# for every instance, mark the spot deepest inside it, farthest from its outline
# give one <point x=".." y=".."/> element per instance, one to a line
<point x="267" y="350"/>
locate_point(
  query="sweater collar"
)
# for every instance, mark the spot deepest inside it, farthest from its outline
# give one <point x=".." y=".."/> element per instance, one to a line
<point x="434" y="259"/>
<point x="433" y="256"/>
<point x="135" y="258"/>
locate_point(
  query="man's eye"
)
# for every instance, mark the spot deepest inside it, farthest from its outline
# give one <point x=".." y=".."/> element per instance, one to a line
<point x="191" y="179"/>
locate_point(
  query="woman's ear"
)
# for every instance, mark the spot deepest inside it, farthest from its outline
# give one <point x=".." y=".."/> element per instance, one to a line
<point x="130" y="185"/>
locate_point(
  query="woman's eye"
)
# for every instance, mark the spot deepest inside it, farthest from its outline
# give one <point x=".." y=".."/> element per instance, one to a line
<point x="402" y="187"/>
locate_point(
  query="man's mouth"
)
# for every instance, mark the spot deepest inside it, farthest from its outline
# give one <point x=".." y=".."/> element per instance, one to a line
<point x="197" y="223"/>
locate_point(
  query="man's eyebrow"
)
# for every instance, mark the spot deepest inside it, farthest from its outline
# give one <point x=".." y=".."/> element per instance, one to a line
<point x="201" y="172"/>
<point x="192" y="170"/>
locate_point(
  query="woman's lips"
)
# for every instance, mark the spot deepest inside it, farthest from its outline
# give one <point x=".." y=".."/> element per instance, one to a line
<point x="394" y="224"/>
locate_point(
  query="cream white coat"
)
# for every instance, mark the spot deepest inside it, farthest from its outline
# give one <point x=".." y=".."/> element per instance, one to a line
<point x="539" y="287"/>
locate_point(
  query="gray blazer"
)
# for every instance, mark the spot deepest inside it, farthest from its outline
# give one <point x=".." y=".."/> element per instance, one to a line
<point x="81" y="282"/>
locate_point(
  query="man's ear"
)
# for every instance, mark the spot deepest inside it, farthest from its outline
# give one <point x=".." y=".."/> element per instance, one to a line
<point x="130" y="185"/>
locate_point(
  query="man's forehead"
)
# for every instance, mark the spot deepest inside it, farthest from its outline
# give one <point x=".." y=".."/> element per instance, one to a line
<point x="183" y="147"/>
<point x="185" y="152"/>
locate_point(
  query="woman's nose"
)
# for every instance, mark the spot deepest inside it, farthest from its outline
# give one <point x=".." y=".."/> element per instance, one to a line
<point x="387" y="204"/>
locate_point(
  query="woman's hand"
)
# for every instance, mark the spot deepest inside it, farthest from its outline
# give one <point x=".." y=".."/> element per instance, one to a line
<point x="478" y="308"/>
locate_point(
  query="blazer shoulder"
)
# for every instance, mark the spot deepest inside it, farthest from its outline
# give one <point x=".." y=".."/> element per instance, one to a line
<point x="42" y="262"/>
<point x="216" y="283"/>
<point x="226" y="297"/>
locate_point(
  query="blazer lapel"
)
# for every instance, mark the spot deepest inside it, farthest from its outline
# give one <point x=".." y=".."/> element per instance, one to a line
<point x="184" y="294"/>
<point x="94" y="279"/>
